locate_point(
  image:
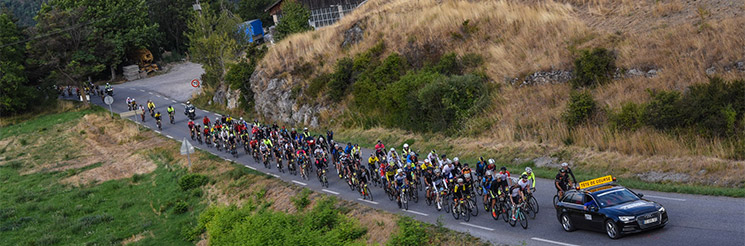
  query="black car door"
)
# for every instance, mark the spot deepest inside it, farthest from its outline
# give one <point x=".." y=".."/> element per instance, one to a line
<point x="572" y="203"/>
<point x="592" y="216"/>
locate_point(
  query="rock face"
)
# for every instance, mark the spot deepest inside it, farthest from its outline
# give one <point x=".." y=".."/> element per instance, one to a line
<point x="233" y="97"/>
<point x="564" y="76"/>
<point x="274" y="103"/>
<point x="353" y="35"/>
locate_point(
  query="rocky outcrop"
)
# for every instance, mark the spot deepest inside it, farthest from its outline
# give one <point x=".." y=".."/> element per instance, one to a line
<point x="274" y="102"/>
<point x="353" y="35"/>
<point x="564" y="76"/>
<point x="233" y="98"/>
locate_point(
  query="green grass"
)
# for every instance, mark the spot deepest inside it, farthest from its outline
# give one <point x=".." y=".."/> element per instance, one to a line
<point x="36" y="209"/>
<point x="43" y="122"/>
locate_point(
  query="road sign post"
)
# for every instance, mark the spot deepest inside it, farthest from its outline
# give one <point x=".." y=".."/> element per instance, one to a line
<point x="109" y="100"/>
<point x="186" y="149"/>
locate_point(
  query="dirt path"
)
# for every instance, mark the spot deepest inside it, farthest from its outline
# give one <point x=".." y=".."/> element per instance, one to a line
<point x="174" y="84"/>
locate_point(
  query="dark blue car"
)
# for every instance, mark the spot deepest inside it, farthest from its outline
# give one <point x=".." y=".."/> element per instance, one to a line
<point x="611" y="208"/>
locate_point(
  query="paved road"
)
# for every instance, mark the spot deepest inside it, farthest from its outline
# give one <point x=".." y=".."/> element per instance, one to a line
<point x="694" y="219"/>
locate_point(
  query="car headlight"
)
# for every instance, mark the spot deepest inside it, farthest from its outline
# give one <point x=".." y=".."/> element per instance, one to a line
<point x="626" y="218"/>
<point x="662" y="209"/>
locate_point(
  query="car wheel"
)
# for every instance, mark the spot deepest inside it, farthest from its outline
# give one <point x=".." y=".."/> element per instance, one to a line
<point x="612" y="229"/>
<point x="566" y="223"/>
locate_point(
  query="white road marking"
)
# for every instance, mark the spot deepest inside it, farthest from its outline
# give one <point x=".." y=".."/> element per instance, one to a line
<point x="142" y="90"/>
<point x="183" y="104"/>
<point x="174" y="101"/>
<point x="368" y="201"/>
<point x="666" y="198"/>
<point x="298" y="182"/>
<point x="276" y="176"/>
<point x="132" y="88"/>
<point x="169" y="136"/>
<point x="206" y="111"/>
<point x="477" y="226"/>
<point x="330" y="191"/>
<point x="150" y="93"/>
<point x="253" y="168"/>
<point x="551" y="241"/>
<point x="218" y="115"/>
<point x="157" y="132"/>
<point x="226" y="159"/>
<point x="415" y="212"/>
<point x="157" y="96"/>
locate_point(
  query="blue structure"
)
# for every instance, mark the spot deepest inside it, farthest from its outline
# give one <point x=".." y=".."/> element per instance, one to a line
<point x="253" y="31"/>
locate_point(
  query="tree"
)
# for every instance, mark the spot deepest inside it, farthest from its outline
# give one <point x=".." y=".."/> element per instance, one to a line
<point x="254" y="9"/>
<point x="212" y="43"/>
<point x="123" y="26"/>
<point x="15" y="95"/>
<point x="294" y="20"/>
<point x="68" y="51"/>
<point x="171" y="17"/>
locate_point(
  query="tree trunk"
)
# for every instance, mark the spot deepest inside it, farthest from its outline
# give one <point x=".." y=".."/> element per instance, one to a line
<point x="113" y="73"/>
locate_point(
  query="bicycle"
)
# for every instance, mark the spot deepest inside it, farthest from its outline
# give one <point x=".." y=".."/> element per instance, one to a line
<point x="461" y="209"/>
<point x="160" y="127"/>
<point x="532" y="204"/>
<point x="266" y="160"/>
<point x="170" y="115"/>
<point x="519" y="216"/>
<point x="366" y="194"/>
<point x="471" y="203"/>
<point x="234" y="150"/>
<point x="325" y="180"/>
<point x="402" y="197"/>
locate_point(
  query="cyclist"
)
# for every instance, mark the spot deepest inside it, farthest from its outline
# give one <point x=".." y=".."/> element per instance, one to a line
<point x="206" y="121"/>
<point x="459" y="191"/>
<point x="495" y="189"/>
<point x="531" y="176"/>
<point x="506" y="175"/>
<point x="191" y="127"/>
<point x="516" y="198"/>
<point x="151" y="107"/>
<point x="380" y="148"/>
<point x="393" y="157"/>
<point x="486" y="182"/>
<point x="170" y="111"/>
<point x="504" y="179"/>
<point x="569" y="172"/>
<point x="456" y="162"/>
<point x="432" y="156"/>
<point x="561" y="182"/>
<point x="357" y="152"/>
<point x="525" y="183"/>
<point x="372" y="162"/>
<point x="157" y="116"/>
<point x="400" y="182"/>
<point x="480" y="167"/>
<point x="405" y="151"/>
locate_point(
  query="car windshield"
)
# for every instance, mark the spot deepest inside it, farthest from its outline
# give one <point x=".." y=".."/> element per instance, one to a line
<point x="615" y="197"/>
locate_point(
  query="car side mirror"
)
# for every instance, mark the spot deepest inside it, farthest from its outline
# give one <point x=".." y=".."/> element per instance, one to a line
<point x="593" y="209"/>
<point x="640" y="195"/>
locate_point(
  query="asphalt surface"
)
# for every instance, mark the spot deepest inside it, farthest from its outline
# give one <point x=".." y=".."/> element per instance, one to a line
<point x="693" y="219"/>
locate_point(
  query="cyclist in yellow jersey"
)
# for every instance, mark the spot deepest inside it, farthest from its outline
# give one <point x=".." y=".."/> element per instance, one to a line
<point x="531" y="176"/>
<point x="373" y="160"/>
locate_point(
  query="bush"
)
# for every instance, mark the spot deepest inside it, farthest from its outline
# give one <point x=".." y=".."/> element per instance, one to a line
<point x="301" y="200"/>
<point x="448" y="65"/>
<point x="340" y="79"/>
<point x="444" y="104"/>
<point x="410" y="233"/>
<point x="713" y="107"/>
<point x="628" y="118"/>
<point x="579" y="109"/>
<point x="593" y="67"/>
<point x="191" y="181"/>
<point x="663" y="111"/>
<point x="180" y="207"/>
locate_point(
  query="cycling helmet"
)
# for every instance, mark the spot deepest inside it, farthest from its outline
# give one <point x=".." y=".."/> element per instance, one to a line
<point x="434" y="151"/>
<point x="525" y="176"/>
<point x="241" y="118"/>
<point x="481" y="159"/>
<point x="187" y="102"/>
<point x="465" y="164"/>
<point x="371" y="154"/>
<point x="488" y="173"/>
<point x="393" y="149"/>
<point x="455" y="159"/>
<point x="426" y="160"/>
<point x="437" y="170"/>
<point x="443" y="156"/>
<point x="231" y="135"/>
<point x="467" y="175"/>
<point x="528" y="170"/>
<point x="503" y="168"/>
<point x="194" y="124"/>
<point x="158" y="112"/>
<point x="491" y="161"/>
<point x="406" y="145"/>
<point x="460" y="180"/>
<point x="399" y="170"/>
<point x="564" y="164"/>
<point x="305" y="129"/>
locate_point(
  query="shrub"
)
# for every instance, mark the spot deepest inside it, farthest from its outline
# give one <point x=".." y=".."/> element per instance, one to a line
<point x="317" y="85"/>
<point x="628" y="118"/>
<point x="593" y="67"/>
<point x="448" y="65"/>
<point x="579" y="109"/>
<point x="191" y="181"/>
<point x="663" y="112"/>
<point x="180" y="207"/>
<point x="410" y="233"/>
<point x="301" y="200"/>
<point x="340" y="79"/>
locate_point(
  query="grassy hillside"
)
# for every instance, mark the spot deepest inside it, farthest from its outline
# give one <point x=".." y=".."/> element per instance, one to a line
<point x="73" y="176"/>
<point x="680" y="43"/>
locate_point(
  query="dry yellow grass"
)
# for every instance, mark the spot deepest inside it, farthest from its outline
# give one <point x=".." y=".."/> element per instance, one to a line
<point x="681" y="39"/>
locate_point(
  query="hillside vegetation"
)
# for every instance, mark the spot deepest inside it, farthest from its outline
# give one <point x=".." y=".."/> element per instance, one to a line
<point x="655" y="48"/>
<point x="73" y="176"/>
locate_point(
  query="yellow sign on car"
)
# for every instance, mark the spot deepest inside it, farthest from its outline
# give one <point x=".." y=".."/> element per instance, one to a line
<point x="594" y="182"/>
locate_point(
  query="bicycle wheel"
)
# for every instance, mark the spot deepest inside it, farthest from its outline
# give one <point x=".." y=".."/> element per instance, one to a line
<point x="505" y="211"/>
<point x="528" y="211"/>
<point x="405" y="201"/>
<point x="466" y="211"/>
<point x="533" y="204"/>
<point x="455" y="212"/>
<point x="494" y="212"/>
<point x="415" y="195"/>
<point x="427" y="198"/>
<point x="556" y="200"/>
<point x="523" y="219"/>
<point x="390" y="194"/>
<point x="472" y="206"/>
<point x="513" y="222"/>
<point x="367" y="190"/>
